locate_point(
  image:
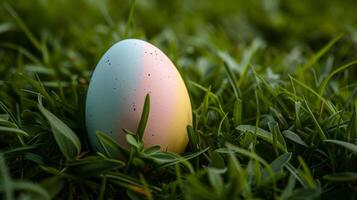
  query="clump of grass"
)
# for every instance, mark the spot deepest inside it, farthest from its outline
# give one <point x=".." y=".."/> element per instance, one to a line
<point x="273" y="96"/>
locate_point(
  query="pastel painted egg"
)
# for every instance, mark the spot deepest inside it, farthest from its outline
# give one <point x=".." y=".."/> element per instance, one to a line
<point x="128" y="71"/>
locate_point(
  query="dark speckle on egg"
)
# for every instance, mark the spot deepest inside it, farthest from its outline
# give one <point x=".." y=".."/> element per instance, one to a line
<point x="148" y="74"/>
<point x="134" y="107"/>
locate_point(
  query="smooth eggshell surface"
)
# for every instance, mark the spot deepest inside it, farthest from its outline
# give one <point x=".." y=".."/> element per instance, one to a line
<point x="128" y="71"/>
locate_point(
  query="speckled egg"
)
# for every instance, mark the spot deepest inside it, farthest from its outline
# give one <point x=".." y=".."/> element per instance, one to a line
<point x="128" y="71"/>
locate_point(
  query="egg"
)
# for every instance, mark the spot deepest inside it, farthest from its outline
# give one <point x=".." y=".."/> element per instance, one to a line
<point x="125" y="74"/>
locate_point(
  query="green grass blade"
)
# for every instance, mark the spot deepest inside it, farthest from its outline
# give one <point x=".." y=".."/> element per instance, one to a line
<point x="305" y="173"/>
<point x="66" y="139"/>
<point x="278" y="164"/>
<point x="107" y="141"/>
<point x="237" y="112"/>
<point x="316" y="123"/>
<point x="130" y="18"/>
<point x="261" y="133"/>
<point x="320" y="53"/>
<point x="294" y="137"/>
<point x="13" y="130"/>
<point x="347" y="145"/>
<point x="319" y="97"/>
<point x="144" y="118"/>
<point x="339" y="69"/>
<point x="341" y="177"/>
<point x="103" y="186"/>
<point x="232" y="80"/>
<point x="33" y="188"/>
<point x="92" y="166"/>
<point x="277" y="136"/>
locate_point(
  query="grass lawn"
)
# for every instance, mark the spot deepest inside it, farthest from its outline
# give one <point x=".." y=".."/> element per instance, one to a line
<point x="273" y="87"/>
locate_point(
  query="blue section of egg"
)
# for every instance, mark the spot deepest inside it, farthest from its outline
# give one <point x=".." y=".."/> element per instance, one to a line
<point x="112" y="84"/>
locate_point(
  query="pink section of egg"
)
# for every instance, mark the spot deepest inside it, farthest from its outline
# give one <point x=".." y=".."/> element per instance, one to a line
<point x="170" y="108"/>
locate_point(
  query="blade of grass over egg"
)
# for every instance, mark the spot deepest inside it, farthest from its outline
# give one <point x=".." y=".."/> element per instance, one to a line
<point x="144" y="118"/>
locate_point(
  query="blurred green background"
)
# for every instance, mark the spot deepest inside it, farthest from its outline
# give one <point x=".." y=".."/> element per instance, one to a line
<point x="69" y="37"/>
<point x="85" y="29"/>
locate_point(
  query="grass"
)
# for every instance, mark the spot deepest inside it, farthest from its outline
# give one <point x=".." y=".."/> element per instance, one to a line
<point x="272" y="84"/>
